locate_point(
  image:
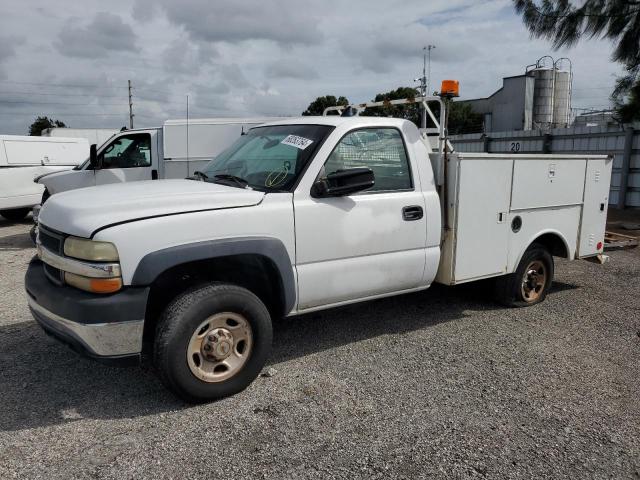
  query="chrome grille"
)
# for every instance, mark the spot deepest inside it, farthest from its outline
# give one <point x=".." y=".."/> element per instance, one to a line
<point x="53" y="242"/>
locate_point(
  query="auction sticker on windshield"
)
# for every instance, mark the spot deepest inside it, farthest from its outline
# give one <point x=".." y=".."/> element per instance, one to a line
<point x="296" y="141"/>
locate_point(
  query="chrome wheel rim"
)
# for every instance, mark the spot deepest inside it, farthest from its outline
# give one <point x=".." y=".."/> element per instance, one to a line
<point x="220" y="347"/>
<point x="533" y="281"/>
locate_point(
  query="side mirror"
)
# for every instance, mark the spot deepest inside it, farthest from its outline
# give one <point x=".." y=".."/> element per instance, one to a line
<point x="343" y="182"/>
<point x="93" y="157"/>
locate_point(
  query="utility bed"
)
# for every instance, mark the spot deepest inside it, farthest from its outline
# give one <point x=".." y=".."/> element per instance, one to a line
<point x="496" y="205"/>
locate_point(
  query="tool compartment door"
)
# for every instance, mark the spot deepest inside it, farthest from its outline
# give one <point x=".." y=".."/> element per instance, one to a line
<point x="482" y="235"/>
<point x="594" y="210"/>
<point x="547" y="181"/>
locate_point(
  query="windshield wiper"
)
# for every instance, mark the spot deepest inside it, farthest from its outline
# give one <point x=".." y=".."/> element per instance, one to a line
<point x="198" y="175"/>
<point x="231" y="180"/>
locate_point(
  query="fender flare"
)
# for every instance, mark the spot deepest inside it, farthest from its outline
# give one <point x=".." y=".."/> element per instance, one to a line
<point x="155" y="263"/>
<point x="533" y="238"/>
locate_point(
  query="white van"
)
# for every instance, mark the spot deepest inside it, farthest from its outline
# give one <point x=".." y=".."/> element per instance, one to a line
<point x="93" y="135"/>
<point x="176" y="150"/>
<point x="23" y="158"/>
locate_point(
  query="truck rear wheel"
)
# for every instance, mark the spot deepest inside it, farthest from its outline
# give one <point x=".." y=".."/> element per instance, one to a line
<point x="212" y="341"/>
<point x="16" y="214"/>
<point x="531" y="281"/>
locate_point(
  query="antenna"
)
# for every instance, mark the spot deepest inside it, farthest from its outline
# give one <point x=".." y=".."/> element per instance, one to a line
<point x="188" y="165"/>
<point x="425" y="80"/>
<point x="429" y="48"/>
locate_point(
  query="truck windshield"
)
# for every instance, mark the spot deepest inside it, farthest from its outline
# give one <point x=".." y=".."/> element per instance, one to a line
<point x="268" y="158"/>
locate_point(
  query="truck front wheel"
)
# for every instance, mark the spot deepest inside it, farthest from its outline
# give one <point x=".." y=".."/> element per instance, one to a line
<point x="212" y="341"/>
<point x="531" y="281"/>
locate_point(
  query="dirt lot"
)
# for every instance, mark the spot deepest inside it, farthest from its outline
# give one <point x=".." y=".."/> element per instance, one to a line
<point x="442" y="383"/>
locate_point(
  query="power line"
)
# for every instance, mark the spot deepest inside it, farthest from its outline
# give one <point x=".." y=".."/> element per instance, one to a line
<point x="59" y="84"/>
<point x="62" y="94"/>
<point x="72" y="114"/>
<point x="29" y="102"/>
<point x="153" y="90"/>
<point x="151" y="100"/>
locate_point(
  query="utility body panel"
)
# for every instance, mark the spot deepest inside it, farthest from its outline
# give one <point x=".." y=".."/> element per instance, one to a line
<point x="23" y="158"/>
<point x="497" y="205"/>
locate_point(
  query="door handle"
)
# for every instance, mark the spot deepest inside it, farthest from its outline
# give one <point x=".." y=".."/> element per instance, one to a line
<point x="413" y="212"/>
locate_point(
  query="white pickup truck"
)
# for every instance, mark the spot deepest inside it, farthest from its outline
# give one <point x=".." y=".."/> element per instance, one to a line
<point x="300" y="215"/>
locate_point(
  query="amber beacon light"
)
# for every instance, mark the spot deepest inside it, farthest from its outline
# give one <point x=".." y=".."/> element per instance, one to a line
<point x="450" y="88"/>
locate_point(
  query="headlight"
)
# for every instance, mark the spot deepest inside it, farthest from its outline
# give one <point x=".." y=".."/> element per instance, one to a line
<point x="90" y="250"/>
<point x="95" y="285"/>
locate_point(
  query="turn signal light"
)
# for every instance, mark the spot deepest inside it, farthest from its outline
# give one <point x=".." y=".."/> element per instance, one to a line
<point x="106" y="285"/>
<point x="450" y="88"/>
<point x="95" y="285"/>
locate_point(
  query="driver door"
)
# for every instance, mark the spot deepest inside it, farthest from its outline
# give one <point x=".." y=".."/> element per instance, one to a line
<point x="365" y="244"/>
<point x="128" y="158"/>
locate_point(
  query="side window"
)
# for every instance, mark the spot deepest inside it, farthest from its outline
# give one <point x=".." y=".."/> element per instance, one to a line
<point x="380" y="149"/>
<point x="128" y="151"/>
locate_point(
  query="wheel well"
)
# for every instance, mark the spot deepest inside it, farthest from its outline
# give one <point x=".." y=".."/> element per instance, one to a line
<point x="554" y="244"/>
<point x="256" y="273"/>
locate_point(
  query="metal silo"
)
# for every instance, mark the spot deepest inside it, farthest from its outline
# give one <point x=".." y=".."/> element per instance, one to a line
<point x="562" y="93"/>
<point x="543" y="93"/>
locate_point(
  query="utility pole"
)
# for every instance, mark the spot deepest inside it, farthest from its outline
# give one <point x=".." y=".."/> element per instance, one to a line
<point x="130" y="107"/>
<point x="425" y="80"/>
<point x="429" y="48"/>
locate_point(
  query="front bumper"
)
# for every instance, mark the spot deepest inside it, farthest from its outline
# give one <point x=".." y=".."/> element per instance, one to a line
<point x="105" y="327"/>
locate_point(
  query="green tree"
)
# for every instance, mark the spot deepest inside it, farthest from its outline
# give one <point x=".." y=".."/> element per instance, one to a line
<point x="462" y="118"/>
<point x="40" y="123"/>
<point x="565" y="24"/>
<point x="319" y="104"/>
<point x="408" y="112"/>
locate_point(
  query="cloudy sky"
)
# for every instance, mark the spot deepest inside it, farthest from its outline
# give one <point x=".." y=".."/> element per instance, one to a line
<point x="72" y="60"/>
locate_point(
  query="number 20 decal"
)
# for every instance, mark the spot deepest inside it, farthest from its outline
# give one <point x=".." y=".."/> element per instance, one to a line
<point x="515" y="146"/>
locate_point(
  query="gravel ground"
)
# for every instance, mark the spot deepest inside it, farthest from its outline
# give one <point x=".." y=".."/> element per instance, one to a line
<point x="442" y="383"/>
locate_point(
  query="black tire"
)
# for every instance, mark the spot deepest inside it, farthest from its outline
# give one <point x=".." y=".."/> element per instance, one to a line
<point x="510" y="290"/>
<point x="16" y="214"/>
<point x="33" y="235"/>
<point x="180" y="320"/>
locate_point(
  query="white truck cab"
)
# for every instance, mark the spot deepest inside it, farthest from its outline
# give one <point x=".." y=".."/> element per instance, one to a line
<point x="176" y="150"/>
<point x="300" y="215"/>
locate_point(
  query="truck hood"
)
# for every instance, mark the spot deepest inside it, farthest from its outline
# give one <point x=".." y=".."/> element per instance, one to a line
<point x="82" y="212"/>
